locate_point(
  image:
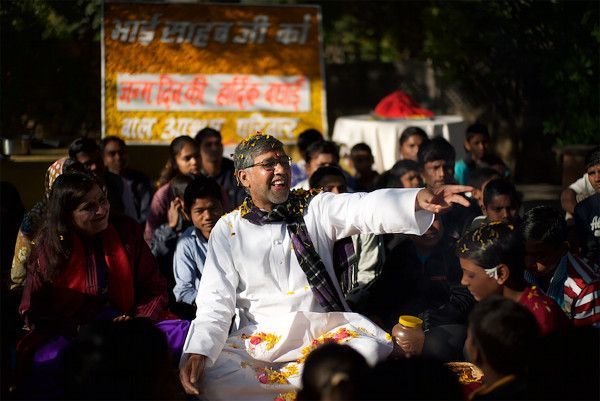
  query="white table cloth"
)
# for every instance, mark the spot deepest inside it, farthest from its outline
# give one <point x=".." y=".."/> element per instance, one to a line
<point x="383" y="136"/>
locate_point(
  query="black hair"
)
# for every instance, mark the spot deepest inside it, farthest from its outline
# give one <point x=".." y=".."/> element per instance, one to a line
<point x="480" y="176"/>
<point x="323" y="171"/>
<point x="205" y="133"/>
<point x="179" y="183"/>
<point x="477" y="128"/>
<point x="54" y="238"/>
<point x="201" y="187"/>
<point x="493" y="244"/>
<point x="392" y="177"/>
<point x="592" y="158"/>
<point x="361" y="147"/>
<point x="333" y="371"/>
<point x="436" y="149"/>
<point x="500" y="186"/>
<point x="545" y="224"/>
<point x="306" y="138"/>
<point x="316" y="148"/>
<point x="506" y="332"/>
<point x="111" y="138"/>
<point x="83" y="144"/>
<point x="171" y="170"/>
<point x="410" y="131"/>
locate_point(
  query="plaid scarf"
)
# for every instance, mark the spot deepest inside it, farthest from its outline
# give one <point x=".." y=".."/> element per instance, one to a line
<point x="291" y="212"/>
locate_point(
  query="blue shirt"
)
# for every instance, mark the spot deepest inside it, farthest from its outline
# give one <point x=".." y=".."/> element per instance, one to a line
<point x="188" y="264"/>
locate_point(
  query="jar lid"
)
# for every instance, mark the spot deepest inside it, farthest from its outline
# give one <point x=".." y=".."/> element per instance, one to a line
<point x="410" y="321"/>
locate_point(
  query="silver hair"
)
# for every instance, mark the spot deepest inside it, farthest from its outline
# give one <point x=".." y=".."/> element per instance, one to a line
<point x="255" y="145"/>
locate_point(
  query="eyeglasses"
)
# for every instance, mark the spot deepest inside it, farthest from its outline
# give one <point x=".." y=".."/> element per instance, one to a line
<point x="270" y="164"/>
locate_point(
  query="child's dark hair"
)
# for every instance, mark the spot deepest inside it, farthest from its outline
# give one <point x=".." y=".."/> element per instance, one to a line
<point x="179" y="183"/>
<point x="324" y="171"/>
<point x="500" y="186"/>
<point x="436" y="149"/>
<point x="201" y="187"/>
<point x="592" y="158"/>
<point x="493" y="244"/>
<point x="307" y="138"/>
<point x="83" y="144"/>
<point x="205" y="133"/>
<point x="107" y="139"/>
<point x="505" y="331"/>
<point x="410" y="131"/>
<point x="392" y="177"/>
<point x="361" y="147"/>
<point x="316" y="148"/>
<point x="480" y="175"/>
<point x="333" y="372"/>
<point x="477" y="128"/>
<point x="545" y="224"/>
<point x="171" y="170"/>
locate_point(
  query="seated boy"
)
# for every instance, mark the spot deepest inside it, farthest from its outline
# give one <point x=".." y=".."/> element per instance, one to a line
<point x="204" y="205"/>
<point x="500" y="336"/>
<point x="571" y="282"/>
<point x="501" y="202"/>
<point x="362" y="162"/>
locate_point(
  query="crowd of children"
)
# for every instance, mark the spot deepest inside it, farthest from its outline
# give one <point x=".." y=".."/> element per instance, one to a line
<point x="510" y="290"/>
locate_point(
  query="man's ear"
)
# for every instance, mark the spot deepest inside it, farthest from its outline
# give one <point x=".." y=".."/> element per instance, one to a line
<point x="503" y="274"/>
<point x="467" y="145"/>
<point x="244" y="180"/>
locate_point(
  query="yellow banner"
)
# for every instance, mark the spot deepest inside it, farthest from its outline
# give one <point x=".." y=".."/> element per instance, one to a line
<point x="173" y="69"/>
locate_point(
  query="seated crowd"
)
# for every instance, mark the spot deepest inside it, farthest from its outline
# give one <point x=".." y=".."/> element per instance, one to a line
<point x="107" y="275"/>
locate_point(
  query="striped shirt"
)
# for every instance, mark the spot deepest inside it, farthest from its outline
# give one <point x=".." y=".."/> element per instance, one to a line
<point x="575" y="286"/>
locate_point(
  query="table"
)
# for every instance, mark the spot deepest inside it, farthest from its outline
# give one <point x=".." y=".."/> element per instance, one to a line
<point x="383" y="135"/>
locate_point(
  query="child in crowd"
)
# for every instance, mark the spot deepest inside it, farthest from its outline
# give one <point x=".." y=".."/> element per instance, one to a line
<point x="500" y="338"/>
<point x="570" y="281"/>
<point x="204" y="206"/>
<point x="362" y="162"/>
<point x="500" y="203"/>
<point x="411" y="139"/>
<point x="305" y="139"/>
<point x="584" y="187"/>
<point x="334" y="372"/>
<point x="184" y="158"/>
<point x="587" y="226"/>
<point x="492" y="260"/>
<point x="404" y="174"/>
<point x="478" y="179"/>
<point x="477" y="142"/>
<point x="164" y="240"/>
<point x="436" y="160"/>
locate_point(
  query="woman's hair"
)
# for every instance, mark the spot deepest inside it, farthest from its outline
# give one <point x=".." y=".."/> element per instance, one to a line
<point x="493" y="244"/>
<point x="171" y="170"/>
<point x="505" y="331"/>
<point x="334" y="372"/>
<point x="410" y="131"/>
<point x="54" y="238"/>
<point x="179" y="183"/>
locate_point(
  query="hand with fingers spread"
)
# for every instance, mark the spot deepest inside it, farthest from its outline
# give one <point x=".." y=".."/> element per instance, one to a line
<point x="191" y="372"/>
<point x="440" y="200"/>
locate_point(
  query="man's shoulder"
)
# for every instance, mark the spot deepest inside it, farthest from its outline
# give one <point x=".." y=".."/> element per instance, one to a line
<point x="581" y="273"/>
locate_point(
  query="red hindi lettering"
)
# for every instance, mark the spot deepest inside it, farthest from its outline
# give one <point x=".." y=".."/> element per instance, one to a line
<point x="284" y="93"/>
<point x="238" y="91"/>
<point x="195" y="91"/>
<point x="169" y="91"/>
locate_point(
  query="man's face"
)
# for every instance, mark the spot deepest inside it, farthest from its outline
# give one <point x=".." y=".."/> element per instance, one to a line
<point x="594" y="176"/>
<point x="211" y="149"/>
<point x="267" y="187"/>
<point x="205" y="212"/>
<point x="362" y="161"/>
<point x="115" y="157"/>
<point x="92" y="162"/>
<point x="320" y="160"/>
<point x="478" y="146"/>
<point x="542" y="259"/>
<point x="501" y="207"/>
<point x="333" y="183"/>
<point x="437" y="173"/>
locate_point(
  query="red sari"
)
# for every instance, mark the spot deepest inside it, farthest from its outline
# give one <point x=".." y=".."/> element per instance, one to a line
<point x="546" y="311"/>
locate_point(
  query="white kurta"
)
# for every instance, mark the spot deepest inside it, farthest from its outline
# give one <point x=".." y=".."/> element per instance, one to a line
<point x="252" y="270"/>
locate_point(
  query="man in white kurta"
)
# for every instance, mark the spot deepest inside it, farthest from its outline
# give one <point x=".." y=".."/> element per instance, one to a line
<point x="252" y="273"/>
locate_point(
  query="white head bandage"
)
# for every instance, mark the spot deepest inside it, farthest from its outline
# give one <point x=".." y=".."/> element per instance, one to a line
<point x="492" y="273"/>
